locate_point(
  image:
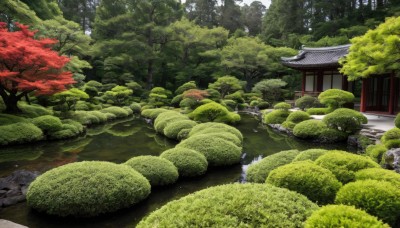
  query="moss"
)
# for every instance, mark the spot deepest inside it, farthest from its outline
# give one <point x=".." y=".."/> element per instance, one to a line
<point x="376" y="152"/>
<point x="319" y="111"/>
<point x="152" y="113"/>
<point x="288" y="125"/>
<point x="117" y="111"/>
<point x="275" y="117"/>
<point x="218" y="151"/>
<point x="378" y="198"/>
<point x="298" y="116"/>
<point x="282" y="106"/>
<point x="380" y="175"/>
<point x="183" y="134"/>
<point x="259" y="171"/>
<point x="344" y="165"/>
<point x="214" y="112"/>
<point x="234" y="205"/>
<point x="163" y="119"/>
<point x="70" y="129"/>
<point x="47" y="123"/>
<point x="346" y="120"/>
<point x="19" y="133"/>
<point x="391" y="138"/>
<point x="87" y="189"/>
<point x="33" y="110"/>
<point x="189" y="162"/>
<point x="6" y="119"/>
<point x="206" y="128"/>
<point x="172" y="130"/>
<point x="226" y="136"/>
<point x="85" y="118"/>
<point x="158" y="171"/>
<point x="309" y="129"/>
<point x="313" y="181"/>
<point x="330" y="135"/>
<point x="342" y="216"/>
<point x="311" y="154"/>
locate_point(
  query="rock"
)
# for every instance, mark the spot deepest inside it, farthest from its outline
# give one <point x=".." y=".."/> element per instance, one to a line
<point x="13" y="192"/>
<point x="24" y="190"/>
<point x="7" y="185"/>
<point x="352" y="140"/>
<point x="392" y="159"/>
<point x="13" y="200"/>
<point x="9" y="224"/>
<point x="24" y="177"/>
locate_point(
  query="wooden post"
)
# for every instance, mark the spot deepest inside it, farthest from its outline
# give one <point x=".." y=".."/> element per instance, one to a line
<point x="345" y="83"/>
<point x="303" y="85"/>
<point x="363" y="101"/>
<point x="391" y="94"/>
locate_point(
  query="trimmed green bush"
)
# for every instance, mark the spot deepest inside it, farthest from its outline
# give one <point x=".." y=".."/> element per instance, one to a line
<point x="219" y="152"/>
<point x="313" y="181"/>
<point x="214" y="112"/>
<point x="288" y="125"/>
<point x="319" y="111"/>
<point x="282" y="106"/>
<point x="85" y="118"/>
<point x="346" y="120"/>
<point x="135" y="107"/>
<point x="309" y="129"/>
<point x="226" y="136"/>
<point x="259" y="171"/>
<point x="311" y="154"/>
<point x="230" y="104"/>
<point x="306" y="102"/>
<point x="206" y="128"/>
<point x="165" y="118"/>
<point x="19" y="133"/>
<point x="335" y="98"/>
<point x="234" y="205"/>
<point x="330" y="135"/>
<point x="397" y="121"/>
<point x="176" y="100"/>
<point x="158" y="171"/>
<point x="172" y="129"/>
<point x="86" y="189"/>
<point x="189" y="162"/>
<point x="152" y="113"/>
<point x="263" y="105"/>
<point x="344" y="165"/>
<point x="394" y="143"/>
<point x="342" y="216"/>
<point x="376" y="152"/>
<point x="378" y="198"/>
<point x="117" y="111"/>
<point x="298" y="116"/>
<point x="189" y="103"/>
<point x="391" y="138"/>
<point x="275" y="117"/>
<point x="186" y="86"/>
<point x="380" y="175"/>
<point x="183" y="134"/>
<point x="47" y="123"/>
<point x="33" y="110"/>
<point x="6" y="119"/>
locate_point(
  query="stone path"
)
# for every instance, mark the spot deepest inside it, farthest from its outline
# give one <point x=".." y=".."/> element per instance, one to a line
<point x="9" y="224"/>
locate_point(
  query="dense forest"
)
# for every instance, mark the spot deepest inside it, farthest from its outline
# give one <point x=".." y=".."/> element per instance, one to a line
<point x="167" y="43"/>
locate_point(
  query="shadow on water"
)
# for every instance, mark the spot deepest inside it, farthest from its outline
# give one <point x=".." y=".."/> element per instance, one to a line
<point x="121" y="140"/>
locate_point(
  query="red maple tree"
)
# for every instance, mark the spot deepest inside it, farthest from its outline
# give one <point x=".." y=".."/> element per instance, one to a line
<point x="196" y="94"/>
<point x="28" y="64"/>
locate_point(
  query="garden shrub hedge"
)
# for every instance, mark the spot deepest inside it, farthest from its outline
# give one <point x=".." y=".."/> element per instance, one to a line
<point x="342" y="216"/>
<point x="230" y="104"/>
<point x="218" y="151"/>
<point x="309" y="129"/>
<point x="288" y="125"/>
<point x="344" y="165"/>
<point x="275" y="117"/>
<point x="47" y="123"/>
<point x="397" y="121"/>
<point x="304" y="177"/>
<point x="135" y="107"/>
<point x="311" y="154"/>
<point x="214" y="112"/>
<point x="298" y="116"/>
<point x="6" y="119"/>
<point x="172" y="129"/>
<point x="263" y="105"/>
<point x="330" y="135"/>
<point x="380" y="175"/>
<point x="226" y="136"/>
<point x="378" y="198"/>
<point x="319" y="111"/>
<point x="394" y="143"/>
<point x="152" y="113"/>
<point x="335" y="98"/>
<point x="165" y="118"/>
<point x="19" y="133"/>
<point x="189" y="162"/>
<point x="282" y="106"/>
<point x="158" y="171"/>
<point x="259" y="171"/>
<point x="34" y="110"/>
<point x="346" y="120"/>
<point x="117" y="111"/>
<point x="206" y="128"/>
<point x="234" y="205"/>
<point x="306" y="102"/>
<point x="70" y="128"/>
<point x="89" y="188"/>
<point x="376" y="152"/>
<point x="391" y="138"/>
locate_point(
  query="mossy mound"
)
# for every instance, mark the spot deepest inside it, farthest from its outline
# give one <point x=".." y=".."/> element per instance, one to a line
<point x="158" y="171"/>
<point x="379" y="174"/>
<point x="276" y="117"/>
<point x="47" y="123"/>
<point x="69" y="129"/>
<point x="117" y="111"/>
<point x="344" y="165"/>
<point x="309" y="129"/>
<point x="259" y="171"/>
<point x="206" y="128"/>
<point x="311" y="154"/>
<point x="172" y="130"/>
<point x="218" y="151"/>
<point x="313" y="181"/>
<point x="342" y="216"/>
<point x="152" y="113"/>
<point x="19" y="133"/>
<point x="234" y="205"/>
<point x="86" y="189"/>
<point x="189" y="162"/>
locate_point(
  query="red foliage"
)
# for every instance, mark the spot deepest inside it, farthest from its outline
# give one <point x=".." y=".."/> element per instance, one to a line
<point x="196" y="94"/>
<point x="27" y="64"/>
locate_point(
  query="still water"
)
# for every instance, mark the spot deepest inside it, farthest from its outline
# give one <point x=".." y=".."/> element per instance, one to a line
<point x="121" y="140"/>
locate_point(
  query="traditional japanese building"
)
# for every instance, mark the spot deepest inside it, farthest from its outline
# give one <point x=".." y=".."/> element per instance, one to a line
<point x="379" y="93"/>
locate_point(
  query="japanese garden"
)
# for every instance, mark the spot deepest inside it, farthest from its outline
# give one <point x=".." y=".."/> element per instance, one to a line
<point x="199" y="113"/>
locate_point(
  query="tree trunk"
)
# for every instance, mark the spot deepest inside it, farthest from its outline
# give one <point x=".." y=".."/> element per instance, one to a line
<point x="150" y="74"/>
<point x="11" y="104"/>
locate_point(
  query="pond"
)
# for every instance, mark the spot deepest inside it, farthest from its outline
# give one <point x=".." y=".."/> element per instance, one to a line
<point x="121" y="140"/>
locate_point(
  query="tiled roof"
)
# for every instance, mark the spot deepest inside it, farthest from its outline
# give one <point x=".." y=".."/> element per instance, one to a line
<point x="317" y="57"/>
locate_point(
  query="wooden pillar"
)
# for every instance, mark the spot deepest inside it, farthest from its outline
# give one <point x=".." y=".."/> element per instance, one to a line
<point x="303" y="84"/>
<point x="391" y="94"/>
<point x="320" y="80"/>
<point x="345" y="83"/>
<point x="363" y="102"/>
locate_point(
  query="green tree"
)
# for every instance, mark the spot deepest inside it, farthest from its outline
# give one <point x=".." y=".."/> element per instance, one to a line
<point x="227" y="85"/>
<point x="202" y="12"/>
<point x="67" y="100"/>
<point x="80" y="11"/>
<point x="11" y="11"/>
<point x="230" y="17"/>
<point x="271" y="89"/>
<point x="252" y="17"/>
<point x="118" y="94"/>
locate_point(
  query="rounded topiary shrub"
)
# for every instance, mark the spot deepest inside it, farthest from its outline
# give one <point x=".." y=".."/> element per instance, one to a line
<point x="152" y="113"/>
<point x="319" y="111"/>
<point x="164" y="118"/>
<point x="379" y="174"/>
<point x="397" y="121"/>
<point x="117" y="111"/>
<point x="344" y="165"/>
<point x="335" y="98"/>
<point x="306" y="102"/>
<point x="346" y="120"/>
<point x="87" y="189"/>
<point x="172" y="129"/>
<point x="298" y="116"/>
<point x="47" y="123"/>
<point x="259" y="171"/>
<point x="158" y="171"/>
<point x="206" y="128"/>
<point x="275" y="117"/>
<point x="282" y="106"/>
<point x="311" y="154"/>
<point x="214" y="112"/>
<point x="378" y="198"/>
<point x="313" y="181"/>
<point x="189" y="162"/>
<point x="19" y="133"/>
<point x="218" y="151"/>
<point x="376" y="152"/>
<point x="391" y="138"/>
<point x="309" y="129"/>
<point x="342" y="216"/>
<point x="234" y="205"/>
<point x="135" y="107"/>
<point x="226" y="136"/>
